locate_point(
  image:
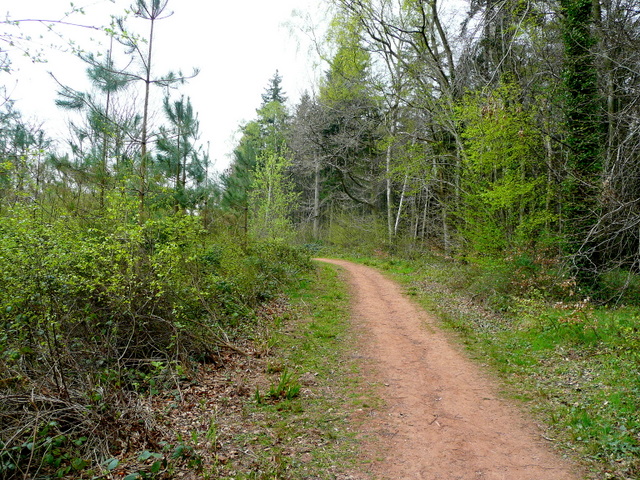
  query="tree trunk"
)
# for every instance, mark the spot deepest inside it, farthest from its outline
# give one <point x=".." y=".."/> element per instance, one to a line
<point x="316" y="199"/>
<point x="145" y="125"/>
<point x="397" y="222"/>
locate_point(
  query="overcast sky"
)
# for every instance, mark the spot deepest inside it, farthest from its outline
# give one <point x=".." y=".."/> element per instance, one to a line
<point x="237" y="45"/>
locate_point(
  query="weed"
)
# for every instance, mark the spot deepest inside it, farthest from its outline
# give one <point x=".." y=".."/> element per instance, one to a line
<point x="287" y="388"/>
<point x="212" y="432"/>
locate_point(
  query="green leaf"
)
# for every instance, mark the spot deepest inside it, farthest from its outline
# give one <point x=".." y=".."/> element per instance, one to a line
<point x="155" y="468"/>
<point x="79" y="463"/>
<point x="145" y="455"/>
<point x="111" y="463"/>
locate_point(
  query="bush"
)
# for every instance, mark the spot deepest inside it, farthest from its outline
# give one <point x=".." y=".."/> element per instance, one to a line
<point x="357" y="235"/>
<point x="95" y="314"/>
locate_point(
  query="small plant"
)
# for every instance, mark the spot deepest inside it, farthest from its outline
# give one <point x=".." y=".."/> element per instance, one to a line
<point x="187" y="454"/>
<point x="287" y="388"/>
<point x="212" y="433"/>
<point x="257" y="396"/>
<point x="158" y="462"/>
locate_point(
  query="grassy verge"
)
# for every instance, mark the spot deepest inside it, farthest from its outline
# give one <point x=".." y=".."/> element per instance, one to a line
<point x="305" y="404"/>
<point x="574" y="365"/>
<point x="280" y="410"/>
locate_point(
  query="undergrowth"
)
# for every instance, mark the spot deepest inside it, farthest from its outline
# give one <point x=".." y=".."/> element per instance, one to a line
<point x="98" y="314"/>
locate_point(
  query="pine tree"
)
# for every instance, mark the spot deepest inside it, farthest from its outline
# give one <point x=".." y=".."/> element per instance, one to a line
<point x="100" y="128"/>
<point x="152" y="11"/>
<point x="177" y="151"/>
<point x="273" y="119"/>
<point x="274" y="91"/>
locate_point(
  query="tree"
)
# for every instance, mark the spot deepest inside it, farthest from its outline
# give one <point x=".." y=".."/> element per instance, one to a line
<point x="419" y="72"/>
<point x="274" y="91"/>
<point x="351" y="115"/>
<point x="262" y="141"/>
<point x="271" y="200"/>
<point x="273" y="118"/>
<point x="505" y="190"/>
<point x="306" y="140"/>
<point x="237" y="180"/>
<point x="102" y="128"/>
<point x="177" y="152"/>
<point x="584" y="136"/>
<point x="23" y="158"/>
<point x="152" y="11"/>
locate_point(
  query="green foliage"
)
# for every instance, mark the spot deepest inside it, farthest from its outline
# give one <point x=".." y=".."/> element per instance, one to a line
<point x="506" y="197"/>
<point x="274" y="91"/>
<point x="160" y="465"/>
<point x="582" y="101"/>
<point x="346" y="80"/>
<point x="183" y="163"/>
<point x="60" y="454"/>
<point x="271" y="200"/>
<point x="585" y="136"/>
<point x="287" y="387"/>
<point x="362" y="234"/>
<point x="256" y="186"/>
<point x="273" y="119"/>
<point x="115" y="309"/>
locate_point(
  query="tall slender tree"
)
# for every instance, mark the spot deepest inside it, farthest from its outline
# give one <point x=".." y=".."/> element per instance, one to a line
<point x="583" y="110"/>
<point x="101" y="127"/>
<point x="152" y="11"/>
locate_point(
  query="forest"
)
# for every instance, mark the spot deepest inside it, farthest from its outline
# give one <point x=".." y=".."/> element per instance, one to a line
<point x="503" y="135"/>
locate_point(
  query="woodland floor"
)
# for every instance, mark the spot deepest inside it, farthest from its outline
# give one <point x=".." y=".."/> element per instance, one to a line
<point x="443" y="417"/>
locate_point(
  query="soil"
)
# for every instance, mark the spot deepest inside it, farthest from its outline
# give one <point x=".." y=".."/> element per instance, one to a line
<point x="443" y="417"/>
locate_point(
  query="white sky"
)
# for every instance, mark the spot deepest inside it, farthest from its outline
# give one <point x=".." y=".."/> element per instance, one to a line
<point x="236" y="44"/>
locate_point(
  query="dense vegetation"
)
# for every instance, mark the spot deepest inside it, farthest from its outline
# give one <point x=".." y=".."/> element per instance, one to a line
<point x="119" y="273"/>
<point x="502" y="135"/>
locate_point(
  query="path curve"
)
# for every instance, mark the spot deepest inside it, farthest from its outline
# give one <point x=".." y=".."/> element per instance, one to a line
<point x="443" y="418"/>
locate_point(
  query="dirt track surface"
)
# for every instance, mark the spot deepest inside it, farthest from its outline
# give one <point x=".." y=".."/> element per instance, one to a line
<point x="442" y="417"/>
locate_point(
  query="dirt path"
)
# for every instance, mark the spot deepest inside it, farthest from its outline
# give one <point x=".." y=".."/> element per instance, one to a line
<point x="443" y="418"/>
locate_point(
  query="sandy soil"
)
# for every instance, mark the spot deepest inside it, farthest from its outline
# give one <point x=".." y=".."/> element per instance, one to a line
<point x="443" y="417"/>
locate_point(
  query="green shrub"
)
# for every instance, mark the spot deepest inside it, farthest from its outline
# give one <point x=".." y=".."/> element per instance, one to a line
<point x="94" y="313"/>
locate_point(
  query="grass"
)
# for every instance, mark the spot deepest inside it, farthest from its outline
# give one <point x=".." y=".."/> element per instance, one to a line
<point x="303" y="413"/>
<point x="576" y="366"/>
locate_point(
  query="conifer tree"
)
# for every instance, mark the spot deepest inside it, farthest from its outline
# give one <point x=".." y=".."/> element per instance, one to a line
<point x="274" y="91"/>
<point x="178" y="154"/>
<point x="263" y="140"/>
<point x="101" y="128"/>
<point x="152" y="11"/>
